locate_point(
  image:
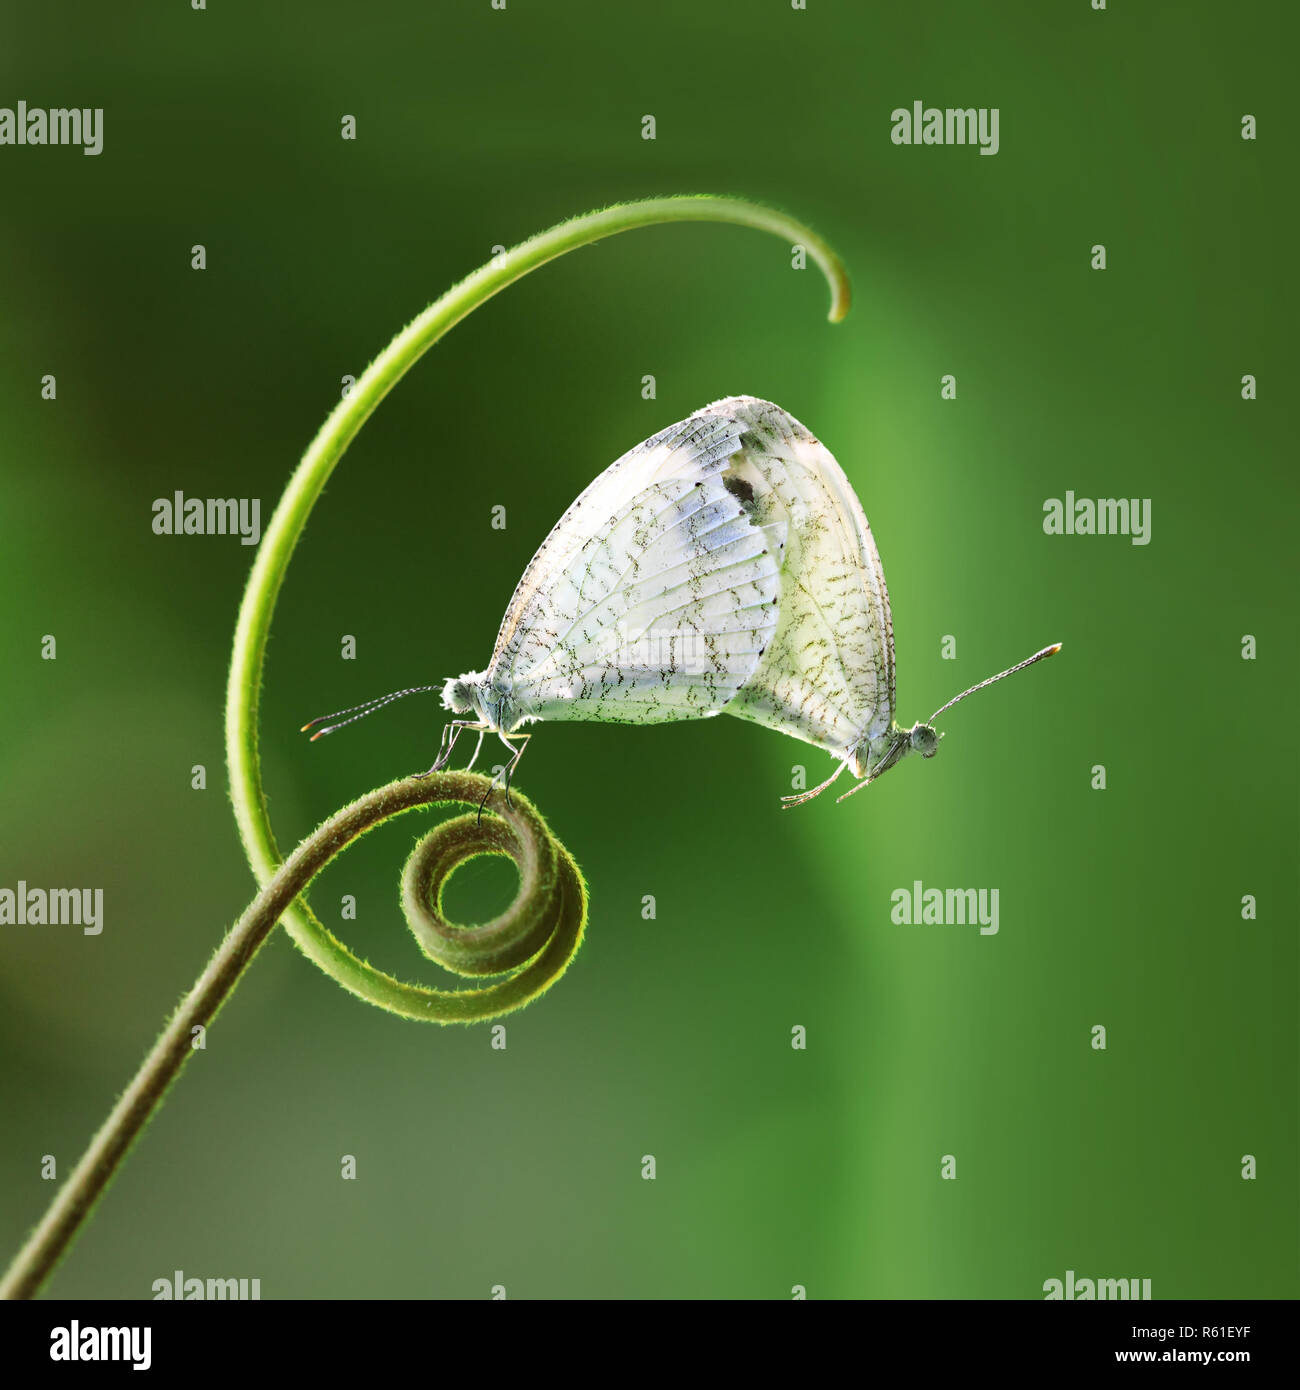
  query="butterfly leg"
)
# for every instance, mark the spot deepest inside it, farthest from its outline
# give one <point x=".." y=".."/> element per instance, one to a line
<point x="799" y="800"/>
<point x="442" y="749"/>
<point x="890" y="756"/>
<point x="482" y="730"/>
<point x="514" y="762"/>
<point x="508" y="771"/>
<point x="450" y="733"/>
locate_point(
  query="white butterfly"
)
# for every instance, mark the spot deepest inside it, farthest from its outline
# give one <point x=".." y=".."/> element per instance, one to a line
<point x="827" y="676"/>
<point x="651" y="600"/>
<point x="723" y="564"/>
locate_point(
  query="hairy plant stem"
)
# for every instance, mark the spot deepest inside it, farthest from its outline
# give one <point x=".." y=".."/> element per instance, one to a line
<point x="532" y="942"/>
<point x="549" y="901"/>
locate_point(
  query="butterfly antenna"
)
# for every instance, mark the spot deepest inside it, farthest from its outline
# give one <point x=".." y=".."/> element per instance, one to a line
<point x="1002" y="675"/>
<point x="360" y="711"/>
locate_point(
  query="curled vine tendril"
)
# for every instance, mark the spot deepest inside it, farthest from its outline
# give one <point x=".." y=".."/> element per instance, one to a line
<point x="471" y="954"/>
<point x="530" y="944"/>
<point x="542" y="927"/>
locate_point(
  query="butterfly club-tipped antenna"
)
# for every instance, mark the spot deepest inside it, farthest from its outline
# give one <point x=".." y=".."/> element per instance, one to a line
<point x="1001" y="676"/>
<point x="360" y="711"/>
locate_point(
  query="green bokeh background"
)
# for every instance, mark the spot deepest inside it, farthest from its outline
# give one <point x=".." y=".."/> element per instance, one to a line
<point x="668" y="1037"/>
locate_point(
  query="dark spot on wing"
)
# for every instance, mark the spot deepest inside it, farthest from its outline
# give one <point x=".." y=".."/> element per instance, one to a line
<point x="741" y="490"/>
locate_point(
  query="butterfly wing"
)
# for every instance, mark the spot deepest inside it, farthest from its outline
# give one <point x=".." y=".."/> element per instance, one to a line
<point x="827" y="676"/>
<point x="655" y="594"/>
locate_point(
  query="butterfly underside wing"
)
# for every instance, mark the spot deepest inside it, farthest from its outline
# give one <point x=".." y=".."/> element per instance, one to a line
<point x="827" y="676"/>
<point x="655" y="595"/>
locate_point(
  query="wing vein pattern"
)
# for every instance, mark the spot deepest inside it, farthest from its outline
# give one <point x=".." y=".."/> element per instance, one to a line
<point x="654" y="596"/>
<point x="827" y="676"/>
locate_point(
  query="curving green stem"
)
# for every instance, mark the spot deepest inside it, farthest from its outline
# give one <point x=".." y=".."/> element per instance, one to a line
<point x="533" y="941"/>
<point x="542" y="928"/>
<point x="286" y="525"/>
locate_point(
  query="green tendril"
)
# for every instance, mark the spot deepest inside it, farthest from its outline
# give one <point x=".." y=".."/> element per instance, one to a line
<point x="286" y="525"/>
<point x="532" y="942"/>
<point x="542" y="927"/>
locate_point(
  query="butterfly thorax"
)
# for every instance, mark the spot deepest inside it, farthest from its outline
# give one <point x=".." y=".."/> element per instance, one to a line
<point x="879" y="754"/>
<point x="487" y="697"/>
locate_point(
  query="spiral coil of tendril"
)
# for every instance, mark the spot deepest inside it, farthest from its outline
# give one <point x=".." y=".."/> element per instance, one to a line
<point x="536" y="936"/>
<point x="549" y="887"/>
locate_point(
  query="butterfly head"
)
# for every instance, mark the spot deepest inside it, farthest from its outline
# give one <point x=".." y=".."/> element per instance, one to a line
<point x="924" y="740"/>
<point x="877" y="755"/>
<point x="458" y="695"/>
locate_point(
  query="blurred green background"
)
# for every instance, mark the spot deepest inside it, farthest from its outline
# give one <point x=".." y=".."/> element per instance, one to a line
<point x="668" y="1037"/>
